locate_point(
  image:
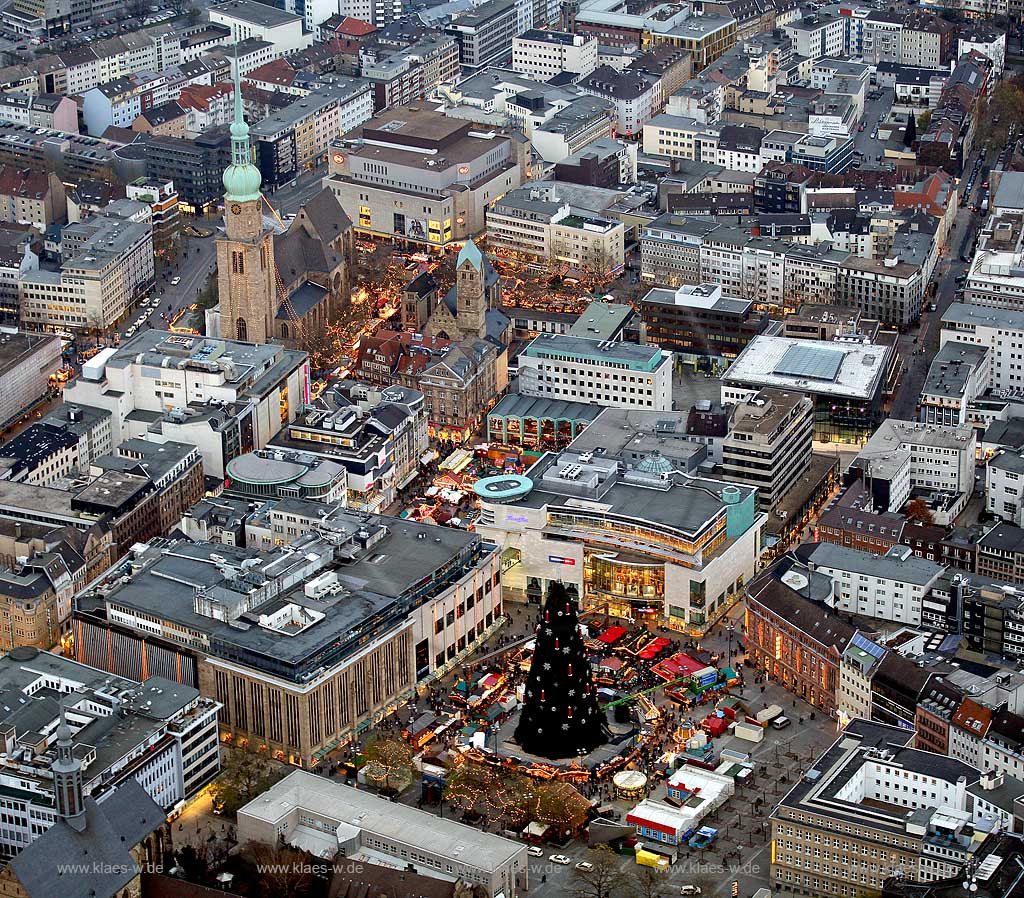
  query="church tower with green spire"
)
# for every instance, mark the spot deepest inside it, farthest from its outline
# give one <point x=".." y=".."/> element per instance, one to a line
<point x="246" y="274"/>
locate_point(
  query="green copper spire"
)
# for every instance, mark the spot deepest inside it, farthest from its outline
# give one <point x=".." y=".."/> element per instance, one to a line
<point x="241" y="178"/>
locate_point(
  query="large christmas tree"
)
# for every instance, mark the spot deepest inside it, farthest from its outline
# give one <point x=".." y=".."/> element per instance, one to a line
<point x="560" y="713"/>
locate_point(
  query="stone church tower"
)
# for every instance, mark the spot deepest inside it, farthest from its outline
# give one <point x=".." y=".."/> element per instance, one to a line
<point x="462" y="313"/>
<point x="471" y="292"/>
<point x="246" y="272"/>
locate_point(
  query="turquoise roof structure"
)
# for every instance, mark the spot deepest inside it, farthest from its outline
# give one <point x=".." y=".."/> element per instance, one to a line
<point x="241" y="178"/>
<point x="503" y="487"/>
<point x="470" y="252"/>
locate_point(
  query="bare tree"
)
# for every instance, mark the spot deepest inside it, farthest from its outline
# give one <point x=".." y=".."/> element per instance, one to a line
<point x="605" y="878"/>
<point x="286" y="872"/>
<point x="647" y="882"/>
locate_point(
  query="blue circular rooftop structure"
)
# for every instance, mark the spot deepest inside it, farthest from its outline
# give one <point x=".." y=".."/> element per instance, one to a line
<point x="503" y="487"/>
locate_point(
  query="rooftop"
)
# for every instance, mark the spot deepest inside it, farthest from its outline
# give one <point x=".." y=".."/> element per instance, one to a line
<point x="378" y="564"/>
<point x="837" y="368"/>
<point x="965" y="314"/>
<point x="836" y="785"/>
<point x="951" y="369"/>
<point x="255" y="13"/>
<point x="899" y="564"/>
<point x="635" y="356"/>
<point x="345" y="805"/>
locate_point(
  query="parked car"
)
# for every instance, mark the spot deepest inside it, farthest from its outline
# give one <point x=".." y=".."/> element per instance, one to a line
<point x="175" y="281"/>
<point x="585" y="866"/>
<point x="689" y="890"/>
<point x="535" y="851"/>
<point x="560" y="859"/>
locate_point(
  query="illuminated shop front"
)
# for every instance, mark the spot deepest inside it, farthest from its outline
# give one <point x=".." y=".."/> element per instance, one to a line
<point x="627" y="585"/>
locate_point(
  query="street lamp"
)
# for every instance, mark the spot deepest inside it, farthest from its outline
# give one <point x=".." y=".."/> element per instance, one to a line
<point x="729" y="631"/>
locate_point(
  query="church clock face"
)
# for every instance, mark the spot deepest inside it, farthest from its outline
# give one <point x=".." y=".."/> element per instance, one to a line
<point x="235" y="208"/>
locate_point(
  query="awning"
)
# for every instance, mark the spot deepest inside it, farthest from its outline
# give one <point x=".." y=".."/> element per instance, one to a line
<point x="427" y="457"/>
<point x="456" y="461"/>
<point x="407" y="479"/>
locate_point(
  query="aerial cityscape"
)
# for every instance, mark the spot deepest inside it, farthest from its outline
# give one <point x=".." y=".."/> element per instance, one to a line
<point x="507" y="448"/>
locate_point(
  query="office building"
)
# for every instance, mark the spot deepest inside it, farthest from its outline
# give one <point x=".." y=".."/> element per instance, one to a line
<point x="769" y="446"/>
<point x="889" y="290"/>
<point x="692" y="545"/>
<point x="699" y="323"/>
<point x="159" y="733"/>
<point x="1003" y="488"/>
<point x="456" y="170"/>
<point x="997" y="278"/>
<point x="817" y="36"/>
<point x="194" y="166"/>
<point x="303" y="640"/>
<point x="377" y="435"/>
<point x="1000" y="330"/>
<point x="251" y="19"/>
<point x="107" y="264"/>
<point x="988" y="613"/>
<point x="959" y="374"/>
<point x="706" y="37"/>
<point x="845" y="378"/>
<point x="863" y="802"/>
<point x="905" y="458"/>
<point x="621" y="375"/>
<point x="267" y="381"/>
<point x="162" y="199"/>
<point x="635" y="97"/>
<point x="333" y="820"/>
<point x="485" y="32"/>
<point x="541" y="223"/>
<point x="544" y="54"/>
<point x="26" y="363"/>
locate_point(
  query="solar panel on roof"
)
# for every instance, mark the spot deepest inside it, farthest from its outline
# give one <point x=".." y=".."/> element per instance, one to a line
<point x="814" y="362"/>
<point x="866" y="645"/>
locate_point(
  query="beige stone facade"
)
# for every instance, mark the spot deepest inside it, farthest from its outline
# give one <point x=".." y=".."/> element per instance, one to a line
<point x="816" y="855"/>
<point x="246" y="281"/>
<point x="294" y="722"/>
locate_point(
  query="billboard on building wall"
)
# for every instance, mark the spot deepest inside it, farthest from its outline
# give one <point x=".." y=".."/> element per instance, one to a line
<point x="416" y="228"/>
